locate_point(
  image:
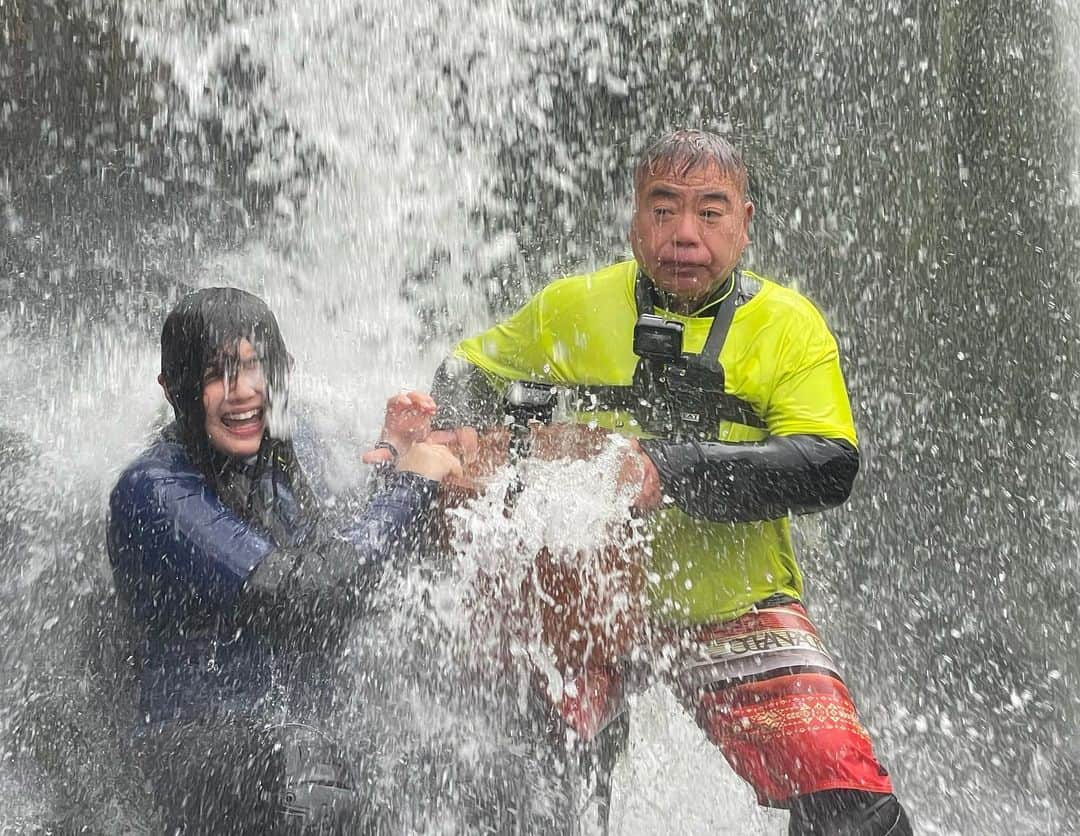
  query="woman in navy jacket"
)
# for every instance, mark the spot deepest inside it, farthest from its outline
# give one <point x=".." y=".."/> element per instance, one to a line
<point x="237" y="592"/>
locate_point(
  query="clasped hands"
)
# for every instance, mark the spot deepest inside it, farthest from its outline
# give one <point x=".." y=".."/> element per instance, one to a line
<point x="445" y="454"/>
<point x="434" y="454"/>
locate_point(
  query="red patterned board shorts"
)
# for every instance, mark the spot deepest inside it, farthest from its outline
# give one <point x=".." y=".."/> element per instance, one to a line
<point x="765" y="690"/>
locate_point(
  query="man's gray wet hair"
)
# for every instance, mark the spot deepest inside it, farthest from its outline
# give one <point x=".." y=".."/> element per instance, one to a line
<point x="681" y="152"/>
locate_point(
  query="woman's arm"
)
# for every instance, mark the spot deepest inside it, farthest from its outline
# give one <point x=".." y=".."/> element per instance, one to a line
<point x="170" y="534"/>
<point x="338" y="571"/>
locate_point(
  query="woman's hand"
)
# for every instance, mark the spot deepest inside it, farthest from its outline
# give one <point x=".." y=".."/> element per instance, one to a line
<point x="463" y="442"/>
<point x="407" y="428"/>
<point x="407" y="421"/>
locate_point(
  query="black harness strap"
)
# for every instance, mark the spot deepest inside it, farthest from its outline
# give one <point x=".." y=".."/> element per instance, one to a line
<point x="624" y="399"/>
<point x="718" y="331"/>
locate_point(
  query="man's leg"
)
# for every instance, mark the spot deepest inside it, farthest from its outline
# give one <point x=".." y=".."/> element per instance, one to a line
<point x="767" y="693"/>
<point x="848" y="813"/>
<point x="595" y="766"/>
<point x="588" y="729"/>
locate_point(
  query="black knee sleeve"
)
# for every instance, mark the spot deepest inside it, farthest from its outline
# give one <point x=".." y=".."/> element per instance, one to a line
<point x="848" y="813"/>
<point x="317" y="792"/>
<point x="236" y="778"/>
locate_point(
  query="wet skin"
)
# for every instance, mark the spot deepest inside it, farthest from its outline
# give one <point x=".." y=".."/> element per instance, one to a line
<point x="689" y="231"/>
<point x="235" y="405"/>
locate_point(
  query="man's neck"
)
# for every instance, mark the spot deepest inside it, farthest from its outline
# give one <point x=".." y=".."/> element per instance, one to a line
<point x="697" y="306"/>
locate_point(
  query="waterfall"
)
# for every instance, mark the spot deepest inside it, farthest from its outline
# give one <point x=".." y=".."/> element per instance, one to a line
<point x="392" y="176"/>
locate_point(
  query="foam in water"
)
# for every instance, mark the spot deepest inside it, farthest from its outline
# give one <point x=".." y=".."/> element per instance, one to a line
<point x="375" y="256"/>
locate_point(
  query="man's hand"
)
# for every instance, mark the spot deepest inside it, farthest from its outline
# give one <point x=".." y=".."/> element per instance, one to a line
<point x="432" y="461"/>
<point x="638" y="470"/>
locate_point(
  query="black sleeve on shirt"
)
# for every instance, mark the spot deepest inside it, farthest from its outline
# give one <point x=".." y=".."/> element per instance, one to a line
<point x="465" y="397"/>
<point x="327" y="581"/>
<point x="762" y="480"/>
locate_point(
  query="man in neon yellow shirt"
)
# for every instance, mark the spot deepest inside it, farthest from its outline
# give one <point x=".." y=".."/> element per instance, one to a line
<point x="731" y="387"/>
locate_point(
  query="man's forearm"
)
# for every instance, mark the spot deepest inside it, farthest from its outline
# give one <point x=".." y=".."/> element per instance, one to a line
<point x="762" y="480"/>
<point x="717" y="481"/>
<point x="465" y="396"/>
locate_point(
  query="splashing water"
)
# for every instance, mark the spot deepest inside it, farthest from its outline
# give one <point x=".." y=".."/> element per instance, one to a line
<point x="563" y="505"/>
<point x="572" y="510"/>
<point x="379" y="245"/>
<point x="392" y="176"/>
<point x="454" y="706"/>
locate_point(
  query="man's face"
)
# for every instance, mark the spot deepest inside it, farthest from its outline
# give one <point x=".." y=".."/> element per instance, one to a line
<point x="235" y="404"/>
<point x="689" y="232"/>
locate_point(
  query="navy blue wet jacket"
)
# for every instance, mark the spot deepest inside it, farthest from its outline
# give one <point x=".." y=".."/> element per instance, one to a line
<point x="223" y="608"/>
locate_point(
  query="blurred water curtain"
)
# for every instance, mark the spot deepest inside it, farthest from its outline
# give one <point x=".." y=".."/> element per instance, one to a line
<point x="391" y="178"/>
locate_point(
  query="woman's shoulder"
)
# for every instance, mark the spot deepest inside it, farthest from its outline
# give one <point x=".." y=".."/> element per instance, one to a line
<point x="163" y="465"/>
<point x="164" y="455"/>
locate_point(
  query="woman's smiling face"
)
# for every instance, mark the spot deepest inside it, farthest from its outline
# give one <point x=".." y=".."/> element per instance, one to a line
<point x="234" y="399"/>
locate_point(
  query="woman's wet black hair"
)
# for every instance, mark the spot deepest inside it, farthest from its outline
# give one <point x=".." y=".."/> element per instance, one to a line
<point x="202" y="334"/>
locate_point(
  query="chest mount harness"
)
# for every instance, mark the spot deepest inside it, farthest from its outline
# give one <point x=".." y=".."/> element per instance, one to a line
<point x="673" y="394"/>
